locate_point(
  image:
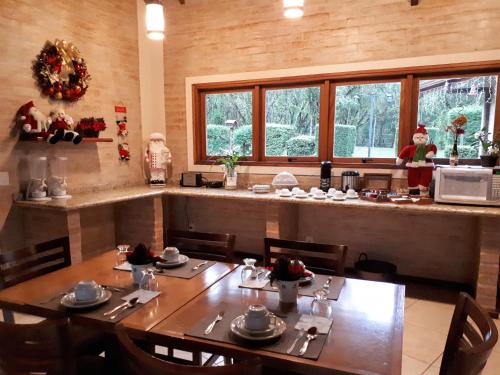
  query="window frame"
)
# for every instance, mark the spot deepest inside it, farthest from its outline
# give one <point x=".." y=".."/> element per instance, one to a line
<point x="408" y="76"/>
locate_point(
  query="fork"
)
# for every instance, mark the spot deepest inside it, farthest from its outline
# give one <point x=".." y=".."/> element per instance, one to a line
<point x="199" y="265"/>
<point x="212" y="325"/>
<point x="299" y="336"/>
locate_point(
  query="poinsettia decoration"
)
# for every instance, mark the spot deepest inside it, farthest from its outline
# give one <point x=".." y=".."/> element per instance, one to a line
<point x="61" y="72"/>
<point x="141" y="255"/>
<point x="285" y="269"/>
<point x="457" y="126"/>
<point x="91" y="127"/>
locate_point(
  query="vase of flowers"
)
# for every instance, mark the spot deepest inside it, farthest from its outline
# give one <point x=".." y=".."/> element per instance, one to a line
<point x="230" y="162"/>
<point x="457" y="129"/>
<point x="286" y="275"/>
<point x="490" y="149"/>
<point x="140" y="258"/>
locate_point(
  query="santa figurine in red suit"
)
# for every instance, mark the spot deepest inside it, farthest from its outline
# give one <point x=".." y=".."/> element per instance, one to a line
<point x="419" y="162"/>
<point x="61" y="128"/>
<point x="33" y="122"/>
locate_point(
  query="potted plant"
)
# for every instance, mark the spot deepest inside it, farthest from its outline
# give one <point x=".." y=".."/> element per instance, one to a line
<point x="490" y="149"/>
<point x="140" y="258"/>
<point x="91" y="127"/>
<point x="230" y="162"/>
<point x="287" y="273"/>
<point x="457" y="129"/>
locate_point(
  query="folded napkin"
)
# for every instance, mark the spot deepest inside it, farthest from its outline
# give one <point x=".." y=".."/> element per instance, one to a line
<point x="144" y="296"/>
<point x="125" y="266"/>
<point x="307" y="321"/>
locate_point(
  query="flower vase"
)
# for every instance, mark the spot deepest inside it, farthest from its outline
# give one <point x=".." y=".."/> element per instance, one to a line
<point x="138" y="272"/>
<point x="288" y="291"/>
<point x="231" y="180"/>
<point x="489" y="160"/>
<point x="454" y="155"/>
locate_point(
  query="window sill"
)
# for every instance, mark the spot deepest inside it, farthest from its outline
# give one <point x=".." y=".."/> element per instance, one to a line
<point x="306" y="164"/>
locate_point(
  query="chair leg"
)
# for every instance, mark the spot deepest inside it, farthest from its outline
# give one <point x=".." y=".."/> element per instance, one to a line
<point x="8" y="316"/>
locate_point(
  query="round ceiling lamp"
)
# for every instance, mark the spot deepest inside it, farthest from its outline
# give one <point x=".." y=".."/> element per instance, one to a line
<point x="155" y="19"/>
<point x="293" y="8"/>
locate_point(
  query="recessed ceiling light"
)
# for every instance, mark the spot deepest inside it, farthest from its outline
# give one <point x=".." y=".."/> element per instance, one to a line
<point x="293" y="8"/>
<point x="155" y="19"/>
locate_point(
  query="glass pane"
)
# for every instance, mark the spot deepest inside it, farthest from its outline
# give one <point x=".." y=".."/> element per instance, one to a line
<point x="292" y="122"/>
<point x="229" y="123"/>
<point x="442" y="100"/>
<point x="367" y="120"/>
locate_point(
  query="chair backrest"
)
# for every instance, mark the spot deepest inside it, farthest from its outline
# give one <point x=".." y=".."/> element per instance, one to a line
<point x="321" y="258"/>
<point x="139" y="362"/>
<point x="20" y="265"/>
<point x="471" y="338"/>
<point x="211" y="246"/>
<point x="36" y="348"/>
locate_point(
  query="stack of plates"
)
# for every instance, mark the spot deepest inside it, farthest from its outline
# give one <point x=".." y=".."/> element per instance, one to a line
<point x="261" y="189"/>
<point x="173" y="263"/>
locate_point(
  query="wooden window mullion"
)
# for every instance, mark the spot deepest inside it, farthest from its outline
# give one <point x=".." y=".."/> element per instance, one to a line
<point x="324" y="109"/>
<point x="408" y="110"/>
<point x="331" y="119"/>
<point x="256" y="124"/>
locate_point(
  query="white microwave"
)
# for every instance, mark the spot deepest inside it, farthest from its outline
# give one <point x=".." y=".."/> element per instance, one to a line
<point x="468" y="185"/>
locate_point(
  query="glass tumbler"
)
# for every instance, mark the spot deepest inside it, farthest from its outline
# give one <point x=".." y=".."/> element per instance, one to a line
<point x="248" y="272"/>
<point x="121" y="254"/>
<point x="320" y="306"/>
<point x="149" y="281"/>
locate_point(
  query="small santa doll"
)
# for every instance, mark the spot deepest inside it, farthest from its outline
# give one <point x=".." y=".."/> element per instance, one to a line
<point x="33" y="121"/>
<point x="61" y="128"/>
<point x="157" y="157"/>
<point x="124" y="151"/>
<point x="419" y="164"/>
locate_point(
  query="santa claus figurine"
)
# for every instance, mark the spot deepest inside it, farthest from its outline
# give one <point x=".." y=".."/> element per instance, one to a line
<point x="61" y="128"/>
<point x="419" y="162"/>
<point x="33" y="122"/>
<point x="157" y="157"/>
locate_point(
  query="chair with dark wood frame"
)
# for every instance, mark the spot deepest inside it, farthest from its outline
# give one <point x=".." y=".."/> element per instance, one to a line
<point x="319" y="258"/>
<point x="36" y="348"/>
<point x="138" y="362"/>
<point x="210" y="246"/>
<point x="471" y="338"/>
<point x="21" y="265"/>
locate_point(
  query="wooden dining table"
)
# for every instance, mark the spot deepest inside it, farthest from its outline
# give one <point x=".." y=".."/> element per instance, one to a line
<point x="365" y="338"/>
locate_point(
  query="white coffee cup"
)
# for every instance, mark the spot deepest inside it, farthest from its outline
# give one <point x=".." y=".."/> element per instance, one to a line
<point x="319" y="193"/>
<point x="332" y="191"/>
<point x="86" y="291"/>
<point x="257" y="318"/>
<point x="338" y="194"/>
<point x="171" y="254"/>
<point x="285" y="192"/>
<point x="313" y="190"/>
<point x="296" y="189"/>
<point x="351" y="193"/>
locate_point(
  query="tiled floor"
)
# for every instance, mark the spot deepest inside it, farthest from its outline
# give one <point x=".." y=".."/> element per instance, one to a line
<point x="427" y="319"/>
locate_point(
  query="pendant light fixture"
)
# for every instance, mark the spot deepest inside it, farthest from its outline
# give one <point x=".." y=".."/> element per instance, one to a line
<point x="155" y="19"/>
<point x="293" y="8"/>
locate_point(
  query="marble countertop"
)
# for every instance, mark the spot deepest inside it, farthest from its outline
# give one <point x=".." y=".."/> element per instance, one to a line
<point x="92" y="199"/>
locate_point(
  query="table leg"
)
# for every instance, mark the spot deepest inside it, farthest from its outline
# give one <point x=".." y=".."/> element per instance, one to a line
<point x="73" y="224"/>
<point x="489" y="260"/>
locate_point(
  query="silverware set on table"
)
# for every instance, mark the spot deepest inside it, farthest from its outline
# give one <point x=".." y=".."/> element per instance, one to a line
<point x="199" y="265"/>
<point x="114" y="313"/>
<point x="214" y="322"/>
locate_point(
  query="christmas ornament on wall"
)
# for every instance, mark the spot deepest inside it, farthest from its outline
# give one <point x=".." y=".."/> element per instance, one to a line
<point x="122" y="132"/>
<point x="61" y="72"/>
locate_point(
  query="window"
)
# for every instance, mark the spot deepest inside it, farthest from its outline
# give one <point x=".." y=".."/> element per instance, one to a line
<point x="292" y="122"/>
<point x="228" y="123"/>
<point x="367" y="120"/>
<point x="348" y="118"/>
<point x="442" y="100"/>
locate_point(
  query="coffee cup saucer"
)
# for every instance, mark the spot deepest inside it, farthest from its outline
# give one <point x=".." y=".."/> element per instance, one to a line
<point x="286" y="195"/>
<point x="319" y="197"/>
<point x="69" y="300"/>
<point x="302" y="196"/>
<point x="353" y="196"/>
<point x="163" y="263"/>
<point x="275" y="330"/>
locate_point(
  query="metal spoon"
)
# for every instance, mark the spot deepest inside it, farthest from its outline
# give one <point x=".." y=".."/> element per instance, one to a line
<point x="199" y="265"/>
<point x="129" y="305"/>
<point x="326" y="285"/>
<point x="312" y="333"/>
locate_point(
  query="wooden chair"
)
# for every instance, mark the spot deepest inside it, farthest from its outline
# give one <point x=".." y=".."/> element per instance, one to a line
<point x="211" y="246"/>
<point x="320" y="258"/>
<point x="42" y="348"/>
<point x="25" y="264"/>
<point x="138" y="362"/>
<point x="471" y="338"/>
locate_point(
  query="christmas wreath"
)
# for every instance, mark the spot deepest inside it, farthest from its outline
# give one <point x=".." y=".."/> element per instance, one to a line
<point x="61" y="72"/>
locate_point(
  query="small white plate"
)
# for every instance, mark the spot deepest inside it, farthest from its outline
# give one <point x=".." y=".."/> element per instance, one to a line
<point x="238" y="324"/>
<point x="302" y="196"/>
<point x="69" y="300"/>
<point x="172" y="264"/>
<point x="307" y="279"/>
<point x="352" y="196"/>
<point x="319" y="197"/>
<point x="285" y="195"/>
<point x="338" y="198"/>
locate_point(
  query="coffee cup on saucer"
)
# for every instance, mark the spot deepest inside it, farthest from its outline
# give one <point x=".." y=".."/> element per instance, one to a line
<point x="296" y="189"/>
<point x="351" y="193"/>
<point x="319" y="194"/>
<point x="313" y="190"/>
<point x="338" y="195"/>
<point x="331" y="191"/>
<point x="171" y="254"/>
<point x="257" y="318"/>
<point x="285" y="192"/>
<point x="87" y="291"/>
